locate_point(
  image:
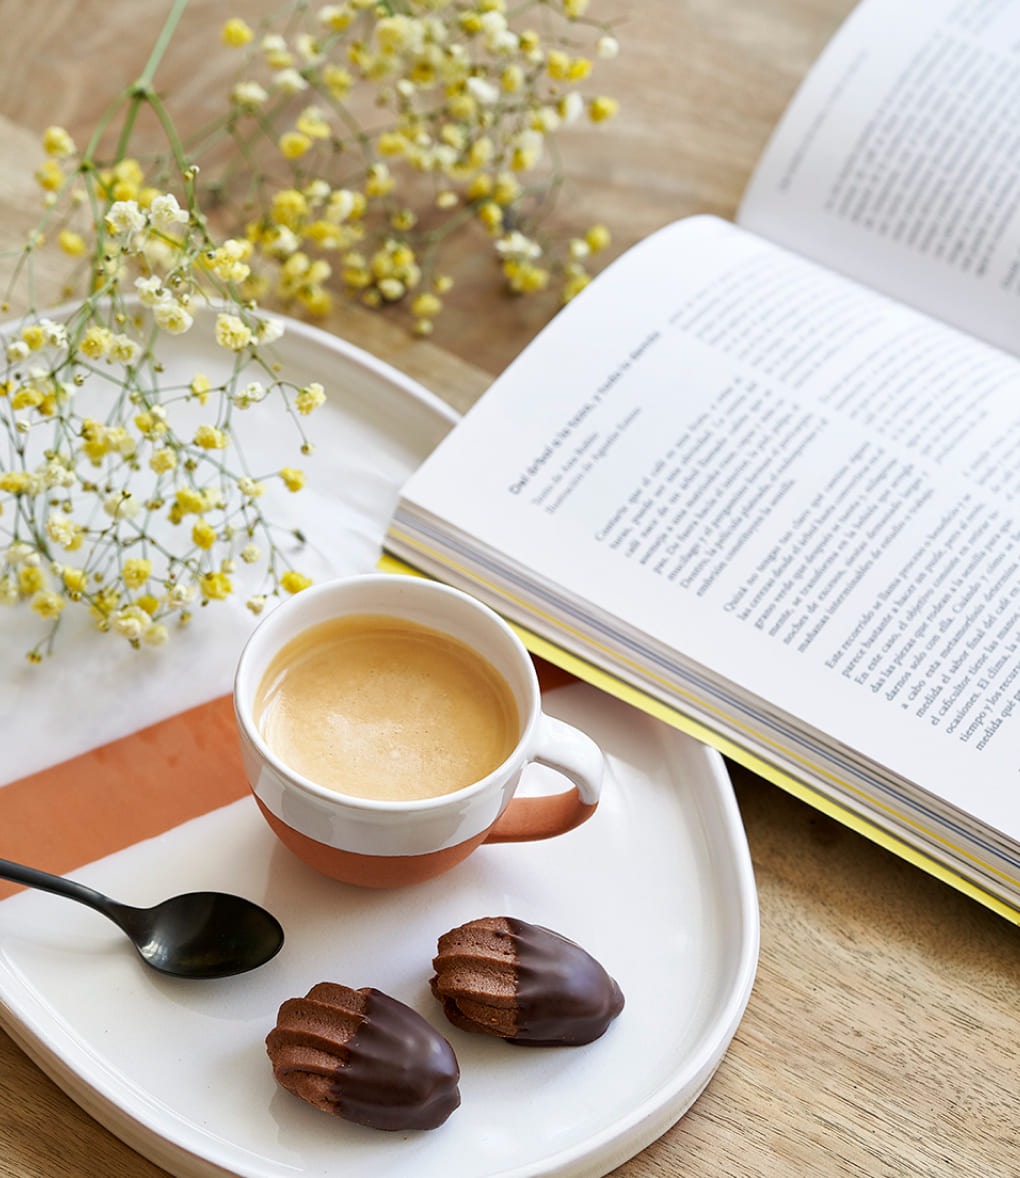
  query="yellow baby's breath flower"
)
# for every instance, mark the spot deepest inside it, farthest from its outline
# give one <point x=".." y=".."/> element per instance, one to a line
<point x="512" y="79"/>
<point x="602" y="108"/>
<point x="232" y="332"/>
<point x="151" y="422"/>
<point x="236" y="33"/>
<point x="211" y="438"/>
<point x="294" y="582"/>
<point x="16" y="482"/>
<point x="163" y="460"/>
<point x="96" y="342"/>
<point x="49" y="175"/>
<point x="575" y="283"/>
<point x="47" y="604"/>
<point x="597" y="237"/>
<point x="203" y="535"/>
<point x="76" y="580"/>
<point x="31" y="579"/>
<point x="190" y="501"/>
<point x="312" y="122"/>
<point x="426" y="305"/>
<point x="216" y="586"/>
<point x="73" y="244"/>
<point x="491" y="215"/>
<point x="337" y="80"/>
<point x="336" y="16"/>
<point x="136" y="572"/>
<point x="200" y="386"/>
<point x="34" y="335"/>
<point x="293" y="479"/>
<point x="56" y="141"/>
<point x="293" y="144"/>
<point x="558" y="64"/>
<point x="310" y="398"/>
<point x="289" y="208"/>
<point x="27" y="397"/>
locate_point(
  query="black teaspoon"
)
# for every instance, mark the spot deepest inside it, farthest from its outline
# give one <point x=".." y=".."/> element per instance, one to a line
<point x="197" y="935"/>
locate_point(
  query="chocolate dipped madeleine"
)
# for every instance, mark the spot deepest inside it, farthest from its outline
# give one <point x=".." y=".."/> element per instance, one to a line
<point x="365" y="1057"/>
<point x="524" y="983"/>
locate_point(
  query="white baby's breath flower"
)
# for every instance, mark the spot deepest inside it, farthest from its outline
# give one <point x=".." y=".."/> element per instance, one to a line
<point x="250" y="487"/>
<point x="269" y="330"/>
<point x="517" y="245"/>
<point x="281" y="241"/>
<point x="125" y="218"/>
<point x="18" y="552"/>
<point x="172" y="316"/>
<point x="122" y="505"/>
<point x="54" y="333"/>
<point x="181" y="595"/>
<point x="251" y="394"/>
<point x="571" y="107"/>
<point x="131" y="621"/>
<point x="340" y="205"/>
<point x="482" y="91"/>
<point x="18" y="350"/>
<point x="124" y="349"/>
<point x="55" y="473"/>
<point x="60" y="528"/>
<point x="607" y="47"/>
<point x="248" y="95"/>
<point x="499" y="38"/>
<point x="165" y="212"/>
<point x="150" y="291"/>
<point x="155" y="635"/>
<point x="289" y="81"/>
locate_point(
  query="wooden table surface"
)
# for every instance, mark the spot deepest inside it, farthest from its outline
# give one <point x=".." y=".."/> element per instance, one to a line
<point x="881" y="1036"/>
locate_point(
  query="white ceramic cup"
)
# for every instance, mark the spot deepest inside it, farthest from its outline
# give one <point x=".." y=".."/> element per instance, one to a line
<point x="391" y="843"/>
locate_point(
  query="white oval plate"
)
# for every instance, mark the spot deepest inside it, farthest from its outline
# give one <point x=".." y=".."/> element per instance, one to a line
<point x="658" y="886"/>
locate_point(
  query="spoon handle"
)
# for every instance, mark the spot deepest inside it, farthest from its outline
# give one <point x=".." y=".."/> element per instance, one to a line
<point x="57" y="884"/>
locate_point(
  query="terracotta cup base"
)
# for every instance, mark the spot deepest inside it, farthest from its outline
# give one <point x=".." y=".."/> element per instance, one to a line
<point x="369" y="871"/>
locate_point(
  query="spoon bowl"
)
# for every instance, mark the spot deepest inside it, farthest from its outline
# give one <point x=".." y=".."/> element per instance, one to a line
<point x="196" y="935"/>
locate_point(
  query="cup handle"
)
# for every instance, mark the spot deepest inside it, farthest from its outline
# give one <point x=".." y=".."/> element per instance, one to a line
<point x="569" y="751"/>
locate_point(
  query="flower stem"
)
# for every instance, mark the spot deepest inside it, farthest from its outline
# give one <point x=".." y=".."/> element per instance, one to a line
<point x="144" y="82"/>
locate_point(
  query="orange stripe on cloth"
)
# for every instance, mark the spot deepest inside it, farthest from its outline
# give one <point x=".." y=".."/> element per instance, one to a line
<point x="121" y="793"/>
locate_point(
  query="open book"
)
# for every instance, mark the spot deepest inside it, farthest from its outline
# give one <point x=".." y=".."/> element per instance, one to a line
<point x="764" y="479"/>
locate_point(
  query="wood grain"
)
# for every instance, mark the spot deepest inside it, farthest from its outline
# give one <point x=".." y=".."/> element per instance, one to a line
<point x="881" y="1036"/>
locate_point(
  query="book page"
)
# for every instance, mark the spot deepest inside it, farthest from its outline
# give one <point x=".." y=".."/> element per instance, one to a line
<point x="808" y="489"/>
<point x="898" y="161"/>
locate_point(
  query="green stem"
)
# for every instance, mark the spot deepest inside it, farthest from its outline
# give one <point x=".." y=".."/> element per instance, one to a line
<point x="159" y="49"/>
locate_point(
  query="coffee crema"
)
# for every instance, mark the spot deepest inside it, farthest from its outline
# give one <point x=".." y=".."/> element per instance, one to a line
<point x="380" y="707"/>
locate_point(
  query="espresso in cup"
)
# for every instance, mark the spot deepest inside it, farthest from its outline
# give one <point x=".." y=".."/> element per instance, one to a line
<point x="378" y="706"/>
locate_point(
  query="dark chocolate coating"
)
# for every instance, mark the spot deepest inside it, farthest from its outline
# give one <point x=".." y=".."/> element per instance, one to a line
<point x="401" y="1074"/>
<point x="364" y="1056"/>
<point x="564" y="996"/>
